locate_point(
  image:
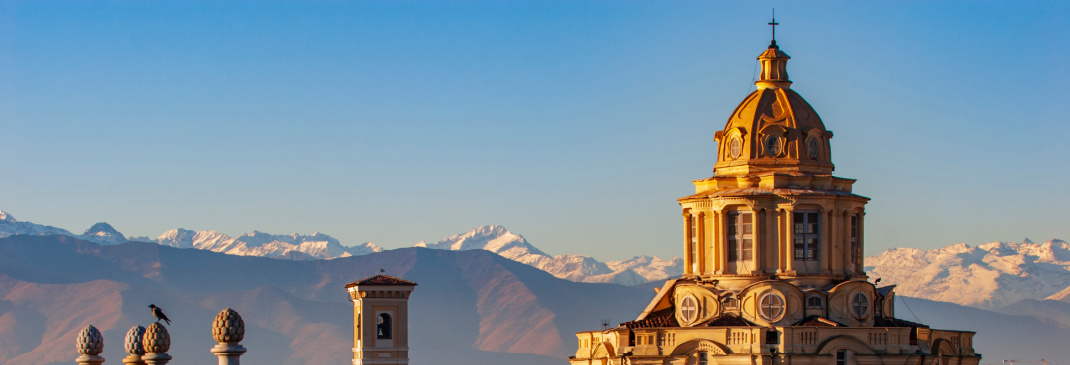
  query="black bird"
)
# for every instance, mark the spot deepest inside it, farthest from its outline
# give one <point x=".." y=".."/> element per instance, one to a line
<point x="156" y="312"/>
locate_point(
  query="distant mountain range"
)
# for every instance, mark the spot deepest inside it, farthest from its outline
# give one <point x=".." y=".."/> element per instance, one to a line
<point x="471" y="306"/>
<point x="988" y="276"/>
<point x="579" y="268"/>
<point x="497" y="239"/>
<point x="992" y="275"/>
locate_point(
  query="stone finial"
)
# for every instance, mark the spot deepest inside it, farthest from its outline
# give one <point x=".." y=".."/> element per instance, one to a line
<point x="228" y="327"/>
<point x="90" y="341"/>
<point x="90" y="345"/>
<point x="134" y="337"/>
<point x="156" y="339"/>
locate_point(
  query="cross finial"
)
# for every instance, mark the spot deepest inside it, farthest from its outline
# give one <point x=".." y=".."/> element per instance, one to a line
<point x="774" y="24"/>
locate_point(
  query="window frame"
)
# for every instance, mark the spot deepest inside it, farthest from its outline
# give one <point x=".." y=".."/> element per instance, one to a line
<point x="739" y="236"/>
<point x="820" y="302"/>
<point x="765" y="303"/>
<point x="806" y="246"/>
<point x="730" y="299"/>
<point x="694" y="309"/>
<point x="855" y="304"/>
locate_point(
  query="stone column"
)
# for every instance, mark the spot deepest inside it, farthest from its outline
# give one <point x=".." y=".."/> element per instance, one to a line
<point x="156" y="343"/>
<point x="700" y="221"/>
<point x="860" y="267"/>
<point x="789" y="241"/>
<point x="717" y="240"/>
<point x="757" y="214"/>
<point x="134" y="347"/>
<point x="688" y="255"/>
<point x="228" y="329"/>
<point x="90" y="344"/>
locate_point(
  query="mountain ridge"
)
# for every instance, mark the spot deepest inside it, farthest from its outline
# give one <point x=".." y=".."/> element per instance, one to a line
<point x="493" y="238"/>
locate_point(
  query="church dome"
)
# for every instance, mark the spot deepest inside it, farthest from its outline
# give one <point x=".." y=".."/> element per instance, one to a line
<point x="774" y="129"/>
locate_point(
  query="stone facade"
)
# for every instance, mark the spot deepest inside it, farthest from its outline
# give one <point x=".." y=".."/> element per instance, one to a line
<point x="380" y="320"/>
<point x="773" y="264"/>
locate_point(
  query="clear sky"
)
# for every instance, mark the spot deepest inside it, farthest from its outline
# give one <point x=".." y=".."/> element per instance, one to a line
<point x="573" y="123"/>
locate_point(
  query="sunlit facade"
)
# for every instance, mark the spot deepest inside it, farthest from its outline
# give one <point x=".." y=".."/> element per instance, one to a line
<point x="773" y="259"/>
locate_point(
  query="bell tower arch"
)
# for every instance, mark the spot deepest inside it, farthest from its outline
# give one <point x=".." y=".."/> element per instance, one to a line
<point x="380" y="320"/>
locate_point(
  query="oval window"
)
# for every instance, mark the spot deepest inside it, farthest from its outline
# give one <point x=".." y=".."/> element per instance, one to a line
<point x="812" y="147"/>
<point x="859" y="305"/>
<point x="688" y="309"/>
<point x="735" y="148"/>
<point x="773" y="146"/>
<point x="771" y="307"/>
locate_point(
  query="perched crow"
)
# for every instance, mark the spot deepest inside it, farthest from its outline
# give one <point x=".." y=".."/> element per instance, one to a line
<point x="156" y="312"/>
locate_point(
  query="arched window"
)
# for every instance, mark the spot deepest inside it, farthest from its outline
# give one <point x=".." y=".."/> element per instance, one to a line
<point x="729" y="303"/>
<point x="383" y="326"/>
<point x="814" y="302"/>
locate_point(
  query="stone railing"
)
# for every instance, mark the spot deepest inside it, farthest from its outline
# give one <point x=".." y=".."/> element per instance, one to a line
<point x="149" y="346"/>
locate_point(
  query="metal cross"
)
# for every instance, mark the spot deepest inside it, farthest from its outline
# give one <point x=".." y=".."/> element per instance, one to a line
<point x="774" y="24"/>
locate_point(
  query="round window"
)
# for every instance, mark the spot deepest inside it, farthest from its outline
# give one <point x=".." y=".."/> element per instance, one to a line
<point x="812" y="147"/>
<point x="771" y="306"/>
<point x="688" y="309"/>
<point x="859" y="305"/>
<point x="735" y="148"/>
<point x="773" y="146"/>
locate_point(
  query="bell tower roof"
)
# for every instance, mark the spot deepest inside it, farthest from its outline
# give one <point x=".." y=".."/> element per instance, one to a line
<point x="774" y="129"/>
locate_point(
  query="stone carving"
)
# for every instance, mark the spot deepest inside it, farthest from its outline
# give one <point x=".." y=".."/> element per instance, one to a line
<point x="228" y="327"/>
<point x="156" y="343"/>
<point x="90" y="341"/>
<point x="90" y="344"/>
<point x="692" y="346"/>
<point x="133" y="346"/>
<point x="156" y="339"/>
<point x="844" y="343"/>
<point x="134" y="337"/>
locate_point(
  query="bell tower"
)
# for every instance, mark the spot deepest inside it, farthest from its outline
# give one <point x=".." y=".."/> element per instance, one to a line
<point x="380" y="320"/>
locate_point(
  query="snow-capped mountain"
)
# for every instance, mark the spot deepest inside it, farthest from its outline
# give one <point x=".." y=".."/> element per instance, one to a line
<point x="9" y="226"/>
<point x="293" y="246"/>
<point x="990" y="275"/>
<point x="580" y="268"/>
<point x="104" y="234"/>
<point x="101" y="233"/>
<point x="497" y="239"/>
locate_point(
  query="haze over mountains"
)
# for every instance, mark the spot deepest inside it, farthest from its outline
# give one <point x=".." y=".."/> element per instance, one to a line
<point x="988" y="276"/>
<point x="473" y="304"/>
<point x="496" y="239"/>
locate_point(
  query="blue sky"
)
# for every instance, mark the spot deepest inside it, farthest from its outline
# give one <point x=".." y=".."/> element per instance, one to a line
<point x="574" y="123"/>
